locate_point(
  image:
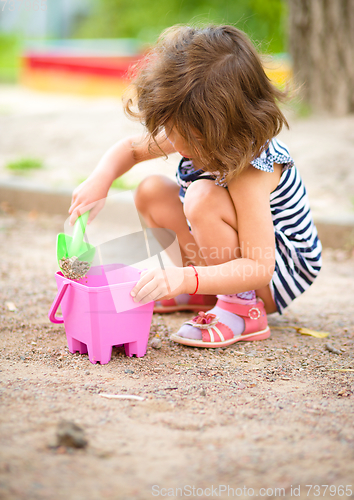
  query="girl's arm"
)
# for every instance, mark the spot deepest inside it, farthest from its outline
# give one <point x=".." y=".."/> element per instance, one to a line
<point x="120" y="158"/>
<point x="250" y="195"/>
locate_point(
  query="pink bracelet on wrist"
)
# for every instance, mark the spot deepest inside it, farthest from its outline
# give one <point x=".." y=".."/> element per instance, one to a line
<point x="196" y="275"/>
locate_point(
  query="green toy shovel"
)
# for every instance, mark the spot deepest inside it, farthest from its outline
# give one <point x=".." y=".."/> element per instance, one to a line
<point x="74" y="255"/>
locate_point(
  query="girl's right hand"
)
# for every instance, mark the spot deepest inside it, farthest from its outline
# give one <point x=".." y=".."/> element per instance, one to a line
<point x="89" y="195"/>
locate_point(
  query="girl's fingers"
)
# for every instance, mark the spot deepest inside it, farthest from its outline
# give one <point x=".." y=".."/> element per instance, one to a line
<point x="74" y="201"/>
<point x="149" y="298"/>
<point x="75" y="214"/>
<point x="95" y="210"/>
<point x="80" y="208"/>
<point x="145" y="289"/>
<point x="151" y="285"/>
<point x="73" y="205"/>
<point x="144" y="279"/>
<point x="157" y="284"/>
<point x="156" y="294"/>
<point x="147" y="293"/>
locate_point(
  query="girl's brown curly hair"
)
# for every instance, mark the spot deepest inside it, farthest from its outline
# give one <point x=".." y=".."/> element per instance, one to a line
<point x="210" y="85"/>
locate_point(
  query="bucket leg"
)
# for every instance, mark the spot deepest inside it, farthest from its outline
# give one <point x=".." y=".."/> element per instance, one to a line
<point x="106" y="353"/>
<point x="75" y="345"/>
<point x="142" y="325"/>
<point x="138" y="348"/>
<point x="101" y="355"/>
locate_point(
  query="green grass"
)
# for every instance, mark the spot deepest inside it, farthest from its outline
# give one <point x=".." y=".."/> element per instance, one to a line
<point x="80" y="180"/>
<point x="10" y="54"/>
<point x="297" y="104"/>
<point x="265" y="21"/>
<point x="24" y="165"/>
<point x="124" y="184"/>
<point x="302" y="109"/>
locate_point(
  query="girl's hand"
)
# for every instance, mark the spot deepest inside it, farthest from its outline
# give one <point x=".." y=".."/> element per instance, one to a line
<point x="157" y="284"/>
<point x="90" y="195"/>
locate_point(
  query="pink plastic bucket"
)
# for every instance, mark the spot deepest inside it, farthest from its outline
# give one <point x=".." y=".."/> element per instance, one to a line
<point x="98" y="312"/>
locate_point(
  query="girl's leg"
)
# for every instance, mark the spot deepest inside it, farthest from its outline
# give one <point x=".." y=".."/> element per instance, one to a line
<point x="212" y="215"/>
<point x="266" y="295"/>
<point x="213" y="219"/>
<point x="157" y="199"/>
<point x="211" y="212"/>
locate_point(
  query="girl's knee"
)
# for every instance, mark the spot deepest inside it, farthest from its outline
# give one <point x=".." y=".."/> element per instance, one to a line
<point x="148" y="190"/>
<point x="200" y="199"/>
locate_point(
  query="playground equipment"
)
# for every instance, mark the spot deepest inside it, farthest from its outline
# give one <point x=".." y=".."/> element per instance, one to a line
<point x="84" y="67"/>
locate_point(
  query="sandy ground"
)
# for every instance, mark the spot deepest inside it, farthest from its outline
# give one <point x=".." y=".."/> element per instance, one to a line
<point x="271" y="414"/>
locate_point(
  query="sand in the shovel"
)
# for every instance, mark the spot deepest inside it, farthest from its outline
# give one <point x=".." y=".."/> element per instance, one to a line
<point x="73" y="268"/>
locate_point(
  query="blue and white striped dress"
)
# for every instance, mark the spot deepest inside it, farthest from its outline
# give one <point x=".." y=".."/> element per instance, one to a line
<point x="297" y="246"/>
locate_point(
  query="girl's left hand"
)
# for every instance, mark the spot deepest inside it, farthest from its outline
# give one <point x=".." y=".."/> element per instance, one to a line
<point x="157" y="284"/>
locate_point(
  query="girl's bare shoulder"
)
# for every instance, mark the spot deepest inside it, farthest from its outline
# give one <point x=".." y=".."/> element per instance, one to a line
<point x="254" y="182"/>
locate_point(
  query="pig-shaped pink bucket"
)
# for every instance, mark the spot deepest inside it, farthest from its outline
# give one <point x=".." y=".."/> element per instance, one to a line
<point x="99" y="312"/>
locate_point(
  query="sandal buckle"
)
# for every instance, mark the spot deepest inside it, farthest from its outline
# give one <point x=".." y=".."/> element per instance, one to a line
<point x="254" y="313"/>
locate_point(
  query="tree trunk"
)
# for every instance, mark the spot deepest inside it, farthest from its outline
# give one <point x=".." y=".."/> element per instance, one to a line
<point x="321" y="44"/>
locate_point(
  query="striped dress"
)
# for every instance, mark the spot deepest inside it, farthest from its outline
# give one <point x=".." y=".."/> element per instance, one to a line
<point x="297" y="246"/>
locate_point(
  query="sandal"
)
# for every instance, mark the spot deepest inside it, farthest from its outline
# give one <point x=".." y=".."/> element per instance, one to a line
<point x="217" y="334"/>
<point x="193" y="303"/>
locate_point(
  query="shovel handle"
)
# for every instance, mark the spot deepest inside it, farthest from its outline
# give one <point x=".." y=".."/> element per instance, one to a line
<point x="78" y="234"/>
<point x="56" y="303"/>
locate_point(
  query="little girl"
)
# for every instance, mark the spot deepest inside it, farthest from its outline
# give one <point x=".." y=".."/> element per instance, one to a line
<point x="239" y="207"/>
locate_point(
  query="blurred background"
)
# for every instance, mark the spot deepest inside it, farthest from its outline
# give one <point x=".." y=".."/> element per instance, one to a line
<point x="94" y="28"/>
<point x="64" y="66"/>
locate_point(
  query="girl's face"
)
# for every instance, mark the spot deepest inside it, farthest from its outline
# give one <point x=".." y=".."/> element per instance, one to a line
<point x="179" y="143"/>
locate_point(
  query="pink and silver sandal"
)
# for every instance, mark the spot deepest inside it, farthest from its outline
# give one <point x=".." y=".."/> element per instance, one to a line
<point x="217" y="334"/>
